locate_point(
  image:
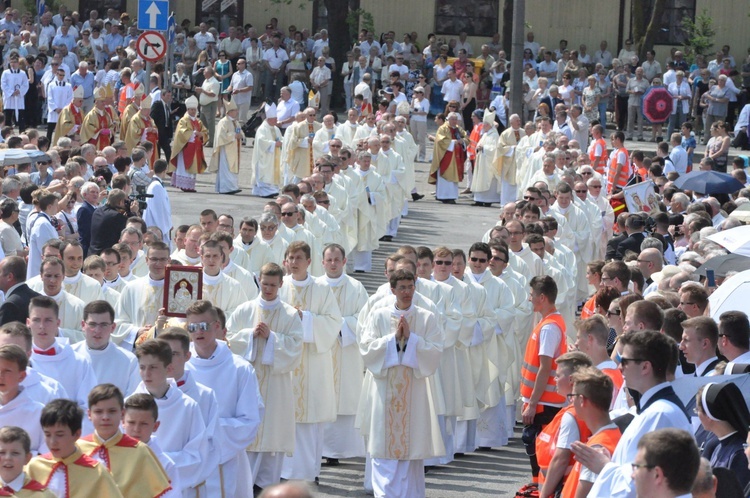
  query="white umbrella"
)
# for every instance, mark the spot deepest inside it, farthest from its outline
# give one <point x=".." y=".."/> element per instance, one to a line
<point x="735" y="240"/>
<point x="12" y="157"/>
<point x="730" y="295"/>
<point x="742" y="213"/>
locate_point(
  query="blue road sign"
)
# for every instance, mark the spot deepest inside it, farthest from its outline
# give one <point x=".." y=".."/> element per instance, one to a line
<point x="153" y="15"/>
<point x="170" y="29"/>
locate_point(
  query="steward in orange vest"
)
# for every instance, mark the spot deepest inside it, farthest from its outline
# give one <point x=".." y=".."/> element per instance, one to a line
<point x="618" y="173"/>
<point x="592" y="396"/>
<point x="547" y="342"/>
<point x="598" y="149"/>
<point x="592" y="334"/>
<point x="553" y="445"/>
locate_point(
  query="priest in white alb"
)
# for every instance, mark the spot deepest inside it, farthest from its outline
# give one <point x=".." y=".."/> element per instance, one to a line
<point x="315" y="399"/>
<point x="372" y="213"/>
<point x="267" y="332"/>
<point x="222" y="291"/>
<point x="265" y="168"/>
<point x="70" y="307"/>
<point x="486" y="180"/>
<point x="340" y="438"/>
<point x="401" y="347"/>
<point x="323" y="136"/>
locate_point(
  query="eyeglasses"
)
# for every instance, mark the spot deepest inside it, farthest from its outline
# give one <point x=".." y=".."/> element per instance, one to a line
<point x="637" y="466"/>
<point x="480" y="260"/>
<point x="324" y="202"/>
<point x="530" y="198"/>
<point x="443" y="263"/>
<point x="582" y="191"/>
<point x="157" y="260"/>
<point x="624" y="361"/>
<point x="613" y="312"/>
<point x="595" y="186"/>
<point x="288" y="214"/>
<point x="686" y="304"/>
<point x="111" y="263"/>
<point x="571" y="396"/>
<point x="498" y="258"/>
<point x="200" y="326"/>
<point x="515" y="234"/>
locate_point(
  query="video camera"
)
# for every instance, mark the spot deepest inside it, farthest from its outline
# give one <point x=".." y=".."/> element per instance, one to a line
<point x="140" y="195"/>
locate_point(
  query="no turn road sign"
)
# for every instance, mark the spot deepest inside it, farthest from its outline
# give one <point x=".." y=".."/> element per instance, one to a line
<point x="151" y="46"/>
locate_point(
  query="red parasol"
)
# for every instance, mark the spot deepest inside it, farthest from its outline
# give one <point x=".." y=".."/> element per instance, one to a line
<point x="657" y="104"/>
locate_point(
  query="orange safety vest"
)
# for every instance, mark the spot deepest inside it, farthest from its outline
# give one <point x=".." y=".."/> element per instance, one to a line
<point x="531" y="363"/>
<point x="608" y="439"/>
<point x="615" y="375"/>
<point x="123" y="100"/>
<point x="589" y="309"/>
<point x="622" y="180"/>
<point x="546" y="443"/>
<point x="602" y="163"/>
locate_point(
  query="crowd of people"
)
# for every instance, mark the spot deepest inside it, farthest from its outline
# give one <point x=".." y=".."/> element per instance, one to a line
<point x="569" y="316"/>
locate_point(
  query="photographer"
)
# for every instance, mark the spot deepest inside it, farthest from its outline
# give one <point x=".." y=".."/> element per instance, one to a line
<point x="108" y="221"/>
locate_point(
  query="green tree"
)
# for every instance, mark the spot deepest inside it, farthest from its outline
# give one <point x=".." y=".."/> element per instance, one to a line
<point x="699" y="35"/>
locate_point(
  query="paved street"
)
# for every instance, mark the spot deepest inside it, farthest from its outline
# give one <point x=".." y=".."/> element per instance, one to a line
<point x="430" y="223"/>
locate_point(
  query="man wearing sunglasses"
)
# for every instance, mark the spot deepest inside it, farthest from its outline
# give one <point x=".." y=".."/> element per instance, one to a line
<point x="646" y="362"/>
<point x="240" y="407"/>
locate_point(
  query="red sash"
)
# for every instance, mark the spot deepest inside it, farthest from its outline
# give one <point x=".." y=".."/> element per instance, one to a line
<point x="103" y="140"/>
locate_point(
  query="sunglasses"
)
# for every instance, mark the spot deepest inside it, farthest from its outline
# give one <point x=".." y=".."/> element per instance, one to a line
<point x="200" y="326"/>
<point x="288" y="214"/>
<point x="443" y="263"/>
<point x="480" y="260"/>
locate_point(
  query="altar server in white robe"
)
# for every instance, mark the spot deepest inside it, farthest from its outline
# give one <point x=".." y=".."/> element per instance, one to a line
<point x="598" y="195"/>
<point x="179" y="342"/>
<point x="315" y="399"/>
<point x="141" y="299"/>
<point x="36" y="385"/>
<point x="293" y="217"/>
<point x="111" y="363"/>
<point x="81" y="286"/>
<point x="486" y="180"/>
<point x="323" y="136"/>
<point x="593" y="215"/>
<point x="240" y="405"/>
<point x="222" y="291"/>
<point x="579" y="225"/>
<point x="401" y="346"/>
<point x="366" y="130"/>
<point x="53" y="356"/>
<point x="159" y="210"/>
<point x="70" y="308"/>
<point x="266" y="163"/>
<point x="16" y="407"/>
<point x="372" y="212"/>
<point x="267" y="332"/>
<point x="269" y="230"/>
<point x="341" y="439"/>
<point x="232" y="269"/>
<point x="250" y="241"/>
<point x="95" y="267"/>
<point x="133" y="237"/>
<point x="182" y="431"/>
<point x="659" y="407"/>
<point x="492" y="423"/>
<point x="524" y="150"/>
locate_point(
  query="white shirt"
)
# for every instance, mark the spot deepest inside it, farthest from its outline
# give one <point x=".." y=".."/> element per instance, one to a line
<point x="679" y="158"/>
<point x="451" y="90"/>
<point x="275" y="57"/>
<point x="240" y="80"/>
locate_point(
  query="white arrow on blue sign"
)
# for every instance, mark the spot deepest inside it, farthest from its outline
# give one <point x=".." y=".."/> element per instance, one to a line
<point x="170" y="29"/>
<point x="153" y="15"/>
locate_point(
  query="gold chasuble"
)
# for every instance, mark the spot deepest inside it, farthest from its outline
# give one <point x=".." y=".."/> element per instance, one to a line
<point x="81" y="474"/>
<point x="448" y="163"/>
<point x="135" y="468"/>
<point x="189" y="138"/>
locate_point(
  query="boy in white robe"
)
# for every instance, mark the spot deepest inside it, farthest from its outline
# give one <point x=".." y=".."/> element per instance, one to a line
<point x="70" y="307"/>
<point x="95" y="267"/>
<point x="231" y="269"/>
<point x="315" y="402"/>
<point x="398" y="418"/>
<point x="37" y="386"/>
<point x="266" y="162"/>
<point x="141" y="299"/>
<point x="182" y="436"/>
<point x="140" y="421"/>
<point x="159" y="211"/>
<point x="224" y="292"/>
<point x="16" y="408"/>
<point x="341" y="439"/>
<point x="240" y="405"/>
<point x="267" y="332"/>
<point x="111" y="364"/>
<point x="53" y="356"/>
